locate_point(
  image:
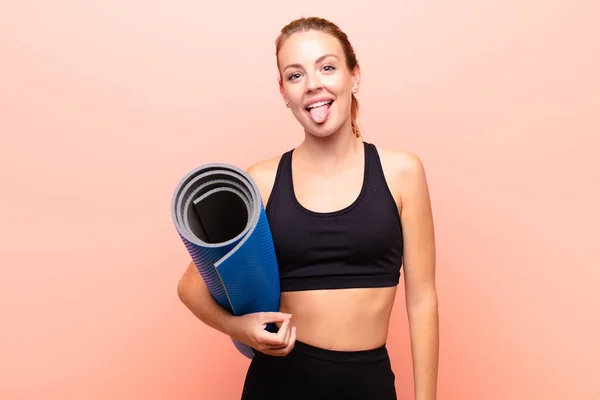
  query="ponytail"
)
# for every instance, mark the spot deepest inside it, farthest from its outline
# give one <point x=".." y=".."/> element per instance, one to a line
<point x="353" y="115"/>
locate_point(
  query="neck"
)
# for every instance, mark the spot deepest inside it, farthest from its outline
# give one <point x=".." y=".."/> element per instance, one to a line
<point x="330" y="151"/>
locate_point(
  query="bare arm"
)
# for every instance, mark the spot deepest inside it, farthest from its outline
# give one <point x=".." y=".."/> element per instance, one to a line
<point x="249" y="328"/>
<point x="194" y="294"/>
<point x="419" y="265"/>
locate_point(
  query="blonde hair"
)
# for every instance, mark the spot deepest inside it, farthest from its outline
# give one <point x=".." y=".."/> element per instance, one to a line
<point x="323" y="25"/>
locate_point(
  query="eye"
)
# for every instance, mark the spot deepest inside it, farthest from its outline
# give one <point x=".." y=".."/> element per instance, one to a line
<point x="328" y="68"/>
<point x="293" y="76"/>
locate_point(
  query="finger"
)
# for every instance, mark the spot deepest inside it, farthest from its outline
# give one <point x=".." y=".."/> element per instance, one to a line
<point x="283" y="334"/>
<point x="270" y="339"/>
<point x="283" y="330"/>
<point x="289" y="345"/>
<point x="286" y="339"/>
<point x="285" y="351"/>
<point x="288" y="334"/>
<point x="291" y="341"/>
<point x="266" y="317"/>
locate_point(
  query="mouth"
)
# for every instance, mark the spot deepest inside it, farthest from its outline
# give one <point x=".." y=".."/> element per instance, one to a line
<point x="319" y="111"/>
<point x="318" y="104"/>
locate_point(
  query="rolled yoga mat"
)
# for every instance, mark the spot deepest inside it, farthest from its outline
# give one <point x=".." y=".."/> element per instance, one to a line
<point x="219" y="215"/>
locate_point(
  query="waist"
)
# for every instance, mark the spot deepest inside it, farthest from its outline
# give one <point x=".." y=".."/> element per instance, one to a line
<point x="368" y="355"/>
<point x="343" y="319"/>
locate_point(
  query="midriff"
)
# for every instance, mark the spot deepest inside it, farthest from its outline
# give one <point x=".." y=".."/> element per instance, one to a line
<point x="342" y="319"/>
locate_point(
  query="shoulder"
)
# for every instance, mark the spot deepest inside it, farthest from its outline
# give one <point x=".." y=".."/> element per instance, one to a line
<point x="405" y="174"/>
<point x="264" y="173"/>
<point x="401" y="162"/>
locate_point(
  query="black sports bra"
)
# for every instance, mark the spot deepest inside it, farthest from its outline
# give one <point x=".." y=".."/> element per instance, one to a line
<point x="358" y="246"/>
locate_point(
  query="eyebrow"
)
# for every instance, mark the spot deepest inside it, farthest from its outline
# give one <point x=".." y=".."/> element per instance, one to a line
<point x="318" y="60"/>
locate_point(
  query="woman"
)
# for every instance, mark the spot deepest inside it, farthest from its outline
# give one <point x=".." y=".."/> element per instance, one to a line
<point x="345" y="217"/>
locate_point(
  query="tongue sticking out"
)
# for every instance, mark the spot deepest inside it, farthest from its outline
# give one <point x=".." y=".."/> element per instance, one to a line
<point x="319" y="114"/>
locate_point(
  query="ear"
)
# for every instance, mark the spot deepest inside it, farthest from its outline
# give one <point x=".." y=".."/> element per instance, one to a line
<point x="287" y="104"/>
<point x="356" y="79"/>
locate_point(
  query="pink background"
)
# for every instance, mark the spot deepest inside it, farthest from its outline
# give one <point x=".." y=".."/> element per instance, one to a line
<point x="104" y="106"/>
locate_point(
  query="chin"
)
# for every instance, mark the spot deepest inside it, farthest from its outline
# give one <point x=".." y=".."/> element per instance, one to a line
<point x="321" y="130"/>
<point x="330" y="126"/>
<point x="327" y="128"/>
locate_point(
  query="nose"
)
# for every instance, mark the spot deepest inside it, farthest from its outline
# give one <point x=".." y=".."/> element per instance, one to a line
<point x="313" y="82"/>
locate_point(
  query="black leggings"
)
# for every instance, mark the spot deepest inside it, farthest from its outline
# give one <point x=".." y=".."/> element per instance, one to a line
<point x="312" y="373"/>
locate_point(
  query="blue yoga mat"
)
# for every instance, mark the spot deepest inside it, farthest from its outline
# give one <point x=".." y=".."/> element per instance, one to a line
<point x="219" y="215"/>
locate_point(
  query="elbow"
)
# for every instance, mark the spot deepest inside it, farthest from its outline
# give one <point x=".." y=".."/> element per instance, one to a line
<point x="183" y="286"/>
<point x="423" y="301"/>
<point x="425" y="311"/>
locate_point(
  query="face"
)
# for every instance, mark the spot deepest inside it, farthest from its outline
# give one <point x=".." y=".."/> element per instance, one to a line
<point x="316" y="84"/>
